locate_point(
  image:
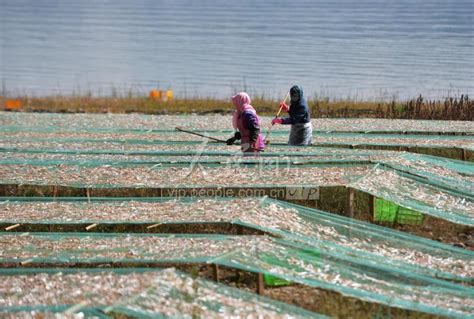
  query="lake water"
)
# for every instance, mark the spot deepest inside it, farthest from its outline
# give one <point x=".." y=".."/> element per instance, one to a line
<point x="362" y="49"/>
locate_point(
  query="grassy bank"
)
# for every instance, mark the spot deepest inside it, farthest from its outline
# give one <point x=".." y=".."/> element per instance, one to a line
<point x="461" y="108"/>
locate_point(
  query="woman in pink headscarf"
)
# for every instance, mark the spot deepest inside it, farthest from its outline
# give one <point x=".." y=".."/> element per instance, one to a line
<point x="247" y="122"/>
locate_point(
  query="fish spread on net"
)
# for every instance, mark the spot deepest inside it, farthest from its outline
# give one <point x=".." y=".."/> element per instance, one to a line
<point x="249" y="211"/>
<point x="165" y="292"/>
<point x="337" y="272"/>
<point x="28" y="157"/>
<point x="93" y="139"/>
<point x="217" y="122"/>
<point x="194" y="175"/>
<point x="389" y="184"/>
<point x="93" y="248"/>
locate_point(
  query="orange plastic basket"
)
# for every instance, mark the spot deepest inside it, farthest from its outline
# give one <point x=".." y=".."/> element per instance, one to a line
<point x="155" y="94"/>
<point x="12" y="104"/>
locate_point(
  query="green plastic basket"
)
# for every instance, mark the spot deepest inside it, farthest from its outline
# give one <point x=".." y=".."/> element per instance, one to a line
<point x="409" y="216"/>
<point x="386" y="211"/>
<point x="273" y="281"/>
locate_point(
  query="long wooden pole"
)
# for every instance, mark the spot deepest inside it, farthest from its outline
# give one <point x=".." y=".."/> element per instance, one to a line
<point x="267" y="141"/>
<point x="198" y="134"/>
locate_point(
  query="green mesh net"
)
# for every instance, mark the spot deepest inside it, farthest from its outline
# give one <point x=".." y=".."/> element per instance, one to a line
<point x="52" y="312"/>
<point x="318" y="265"/>
<point x="138" y="293"/>
<point x="411" y="193"/>
<point x="52" y="139"/>
<point x="295" y="262"/>
<point x="298" y="223"/>
<point x="144" y="123"/>
<point x="315" y="249"/>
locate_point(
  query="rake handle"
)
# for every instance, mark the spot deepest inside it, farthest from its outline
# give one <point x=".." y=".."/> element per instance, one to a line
<point x="277" y="115"/>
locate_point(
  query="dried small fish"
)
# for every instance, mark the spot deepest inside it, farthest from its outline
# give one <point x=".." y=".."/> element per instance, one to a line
<point x="132" y="141"/>
<point x="166" y="292"/>
<point x="94" y="248"/>
<point x="270" y="216"/>
<point x="84" y="122"/>
<point x="172" y="177"/>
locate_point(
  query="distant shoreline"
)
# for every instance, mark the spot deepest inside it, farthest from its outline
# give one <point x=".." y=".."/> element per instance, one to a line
<point x="460" y="108"/>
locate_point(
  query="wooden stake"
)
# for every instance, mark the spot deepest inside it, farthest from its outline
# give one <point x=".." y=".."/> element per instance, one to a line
<point x="464" y="154"/>
<point x="260" y="284"/>
<point x="12" y="227"/>
<point x="350" y="202"/>
<point x="91" y="226"/>
<point x="371" y="206"/>
<point x="88" y="194"/>
<point x="55" y="191"/>
<point x="215" y="272"/>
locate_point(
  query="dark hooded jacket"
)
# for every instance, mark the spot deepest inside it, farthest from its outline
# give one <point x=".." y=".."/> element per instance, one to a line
<point x="299" y="111"/>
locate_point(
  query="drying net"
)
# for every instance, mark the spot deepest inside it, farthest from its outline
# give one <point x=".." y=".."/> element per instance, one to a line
<point x="138" y="293"/>
<point x="52" y="312"/>
<point x="295" y="262"/>
<point x="425" y="197"/>
<point x="145" y="141"/>
<point x="93" y="248"/>
<point x="380" y="245"/>
<point x="174" y="175"/>
<point x="450" y="174"/>
<point x="294" y="222"/>
<point x="137" y="122"/>
<point x="179" y="156"/>
<point x="305" y="265"/>
<point x="433" y="186"/>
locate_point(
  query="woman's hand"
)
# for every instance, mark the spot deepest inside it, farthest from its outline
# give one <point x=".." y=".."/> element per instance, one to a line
<point x="231" y="141"/>
<point x="284" y="107"/>
<point x="237" y="136"/>
<point x="277" y="121"/>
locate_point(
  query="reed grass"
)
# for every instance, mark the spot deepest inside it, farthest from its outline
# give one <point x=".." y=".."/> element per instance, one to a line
<point x="460" y="108"/>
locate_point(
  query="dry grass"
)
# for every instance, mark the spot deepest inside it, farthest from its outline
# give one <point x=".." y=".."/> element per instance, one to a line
<point x="461" y="108"/>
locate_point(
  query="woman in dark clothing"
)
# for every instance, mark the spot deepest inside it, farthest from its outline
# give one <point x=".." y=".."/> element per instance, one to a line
<point x="247" y="122"/>
<point x="299" y="118"/>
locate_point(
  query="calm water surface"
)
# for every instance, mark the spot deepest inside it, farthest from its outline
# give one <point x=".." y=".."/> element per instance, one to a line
<point x="361" y="49"/>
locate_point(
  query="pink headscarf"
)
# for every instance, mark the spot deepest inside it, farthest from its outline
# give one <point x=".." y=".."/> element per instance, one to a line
<point x="242" y="103"/>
